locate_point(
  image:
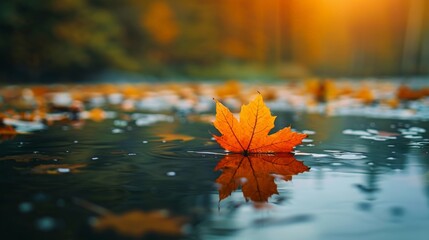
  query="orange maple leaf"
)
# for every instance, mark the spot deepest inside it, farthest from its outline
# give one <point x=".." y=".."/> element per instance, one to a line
<point x="250" y="134"/>
<point x="255" y="174"/>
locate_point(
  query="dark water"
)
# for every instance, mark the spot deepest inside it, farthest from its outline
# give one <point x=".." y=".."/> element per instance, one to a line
<point x="361" y="186"/>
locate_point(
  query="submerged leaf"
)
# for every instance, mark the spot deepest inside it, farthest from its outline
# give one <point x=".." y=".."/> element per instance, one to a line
<point x="138" y="223"/>
<point x="174" y="137"/>
<point x="54" y="169"/>
<point x="30" y="157"/>
<point x="250" y="134"/>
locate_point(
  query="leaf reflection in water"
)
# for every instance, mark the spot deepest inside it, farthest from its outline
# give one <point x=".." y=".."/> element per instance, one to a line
<point x="256" y="174"/>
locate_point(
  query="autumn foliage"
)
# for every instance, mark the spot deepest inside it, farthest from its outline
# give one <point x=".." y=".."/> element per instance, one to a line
<point x="250" y="134"/>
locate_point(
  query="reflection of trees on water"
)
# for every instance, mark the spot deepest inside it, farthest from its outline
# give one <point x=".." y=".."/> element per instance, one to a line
<point x="423" y="160"/>
<point x="381" y="159"/>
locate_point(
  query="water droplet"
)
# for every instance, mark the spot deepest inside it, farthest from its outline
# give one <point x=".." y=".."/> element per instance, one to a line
<point x="145" y="142"/>
<point x="373" y="131"/>
<point x="63" y="170"/>
<point x="356" y="132"/>
<point x="412" y="137"/>
<point x="25" y="207"/>
<point x="349" y="156"/>
<point x="417" y="129"/>
<point x="319" y="155"/>
<point x="75" y="141"/>
<point x="117" y="130"/>
<point x="163" y="141"/>
<point x="94" y="158"/>
<point x="171" y="174"/>
<point x="120" y="123"/>
<point x="308" y="132"/>
<point x="45" y="224"/>
<point x="375" y="138"/>
<point x="331" y="151"/>
<point x="391" y="158"/>
<point x="307" y="140"/>
<point x="132" y="154"/>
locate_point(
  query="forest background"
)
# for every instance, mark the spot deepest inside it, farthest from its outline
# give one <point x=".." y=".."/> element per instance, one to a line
<point x="69" y="40"/>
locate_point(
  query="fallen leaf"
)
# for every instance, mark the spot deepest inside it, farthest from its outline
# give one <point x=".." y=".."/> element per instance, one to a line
<point x="365" y="94"/>
<point x="55" y="169"/>
<point x="205" y="118"/>
<point x="30" y="157"/>
<point x="256" y="174"/>
<point x="392" y="102"/>
<point x="138" y="223"/>
<point x="173" y="137"/>
<point x="97" y="114"/>
<point x="7" y="132"/>
<point x="406" y="93"/>
<point x="250" y="133"/>
<point x="230" y="88"/>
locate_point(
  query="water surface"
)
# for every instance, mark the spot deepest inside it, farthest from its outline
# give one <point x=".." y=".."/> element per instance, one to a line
<point x="368" y="178"/>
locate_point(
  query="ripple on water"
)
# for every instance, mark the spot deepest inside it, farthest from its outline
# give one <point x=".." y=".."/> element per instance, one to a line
<point x="309" y="132"/>
<point x="356" y="132"/>
<point x="349" y="156"/>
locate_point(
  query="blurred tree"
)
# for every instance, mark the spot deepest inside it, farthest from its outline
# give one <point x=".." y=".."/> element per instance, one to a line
<point x="60" y="36"/>
<point x="160" y="22"/>
<point x="52" y="38"/>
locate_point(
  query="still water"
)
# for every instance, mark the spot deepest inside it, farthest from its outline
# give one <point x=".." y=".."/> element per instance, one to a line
<point x="352" y="178"/>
